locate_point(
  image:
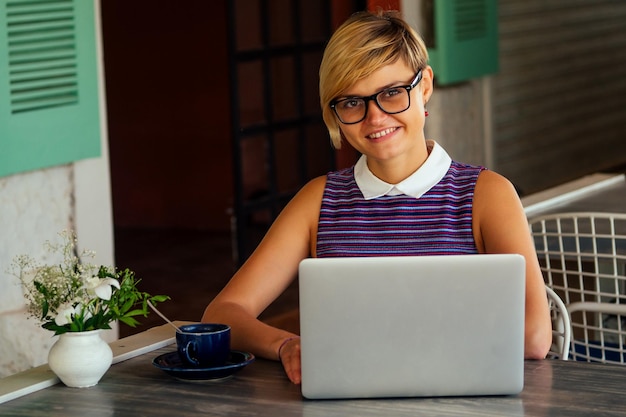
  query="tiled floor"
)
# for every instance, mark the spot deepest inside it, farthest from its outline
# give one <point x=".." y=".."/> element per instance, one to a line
<point x="189" y="266"/>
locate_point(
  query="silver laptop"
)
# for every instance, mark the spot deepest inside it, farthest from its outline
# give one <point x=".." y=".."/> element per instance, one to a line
<point x="412" y="326"/>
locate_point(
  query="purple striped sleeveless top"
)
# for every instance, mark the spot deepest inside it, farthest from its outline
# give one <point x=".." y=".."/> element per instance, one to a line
<point x="437" y="223"/>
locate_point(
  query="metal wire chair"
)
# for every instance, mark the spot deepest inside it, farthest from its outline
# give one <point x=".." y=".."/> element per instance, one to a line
<point x="583" y="259"/>
<point x="561" y="327"/>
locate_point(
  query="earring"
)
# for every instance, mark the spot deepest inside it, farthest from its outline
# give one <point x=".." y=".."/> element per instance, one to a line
<point x="425" y="113"/>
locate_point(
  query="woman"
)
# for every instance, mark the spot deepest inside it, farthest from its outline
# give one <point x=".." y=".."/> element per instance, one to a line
<point x="374" y="85"/>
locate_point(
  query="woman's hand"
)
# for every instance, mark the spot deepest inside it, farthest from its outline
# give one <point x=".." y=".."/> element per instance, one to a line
<point x="289" y="355"/>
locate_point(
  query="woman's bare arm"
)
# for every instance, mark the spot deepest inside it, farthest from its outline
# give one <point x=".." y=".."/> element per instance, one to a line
<point x="500" y="226"/>
<point x="267" y="273"/>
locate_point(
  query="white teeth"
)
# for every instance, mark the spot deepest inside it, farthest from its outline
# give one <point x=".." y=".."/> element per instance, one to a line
<point x="382" y="133"/>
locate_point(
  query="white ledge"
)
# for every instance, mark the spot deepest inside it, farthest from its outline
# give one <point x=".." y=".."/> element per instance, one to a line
<point x="35" y="379"/>
<point x="570" y="191"/>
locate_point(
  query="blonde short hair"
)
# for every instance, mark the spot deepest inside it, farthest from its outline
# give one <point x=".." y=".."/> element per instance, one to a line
<point x="363" y="44"/>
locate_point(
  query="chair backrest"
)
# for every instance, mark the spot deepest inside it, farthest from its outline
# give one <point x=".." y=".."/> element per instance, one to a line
<point x="561" y="326"/>
<point x="583" y="259"/>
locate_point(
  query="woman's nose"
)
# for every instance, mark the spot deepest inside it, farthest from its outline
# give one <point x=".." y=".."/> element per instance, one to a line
<point x="374" y="113"/>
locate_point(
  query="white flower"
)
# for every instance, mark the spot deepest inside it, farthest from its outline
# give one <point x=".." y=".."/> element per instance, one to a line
<point x="81" y="310"/>
<point x="102" y="288"/>
<point x="67" y="313"/>
<point x="64" y="315"/>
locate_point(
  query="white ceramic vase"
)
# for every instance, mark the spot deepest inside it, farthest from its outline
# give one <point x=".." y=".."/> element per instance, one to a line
<point x="80" y="359"/>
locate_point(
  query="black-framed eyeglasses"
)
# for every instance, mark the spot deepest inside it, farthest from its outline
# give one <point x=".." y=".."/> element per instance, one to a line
<point x="391" y="100"/>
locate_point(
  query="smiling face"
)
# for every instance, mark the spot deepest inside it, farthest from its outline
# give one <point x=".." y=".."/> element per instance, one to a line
<point x="391" y="138"/>
<point x="362" y="45"/>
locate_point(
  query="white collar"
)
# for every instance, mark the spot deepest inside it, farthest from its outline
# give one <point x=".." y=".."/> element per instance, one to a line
<point x="430" y="173"/>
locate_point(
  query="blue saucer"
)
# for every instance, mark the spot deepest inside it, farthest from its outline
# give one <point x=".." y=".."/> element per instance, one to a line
<point x="172" y="364"/>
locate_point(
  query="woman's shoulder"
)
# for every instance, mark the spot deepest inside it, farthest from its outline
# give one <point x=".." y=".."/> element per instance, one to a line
<point x="312" y="191"/>
<point x="311" y="194"/>
<point x="494" y="191"/>
<point x="460" y="168"/>
<point x="491" y="181"/>
<point x="486" y="179"/>
<point x="316" y="184"/>
<point x="461" y="177"/>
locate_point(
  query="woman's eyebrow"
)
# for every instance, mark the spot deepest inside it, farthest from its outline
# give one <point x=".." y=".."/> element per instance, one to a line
<point x="392" y="84"/>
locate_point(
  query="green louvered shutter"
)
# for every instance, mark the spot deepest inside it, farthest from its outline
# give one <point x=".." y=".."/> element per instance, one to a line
<point x="465" y="39"/>
<point x="48" y="84"/>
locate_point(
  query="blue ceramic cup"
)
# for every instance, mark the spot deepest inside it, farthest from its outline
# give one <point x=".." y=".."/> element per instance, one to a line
<point x="204" y="344"/>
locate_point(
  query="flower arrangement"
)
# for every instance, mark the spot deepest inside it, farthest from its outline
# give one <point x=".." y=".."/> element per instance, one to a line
<point x="75" y="296"/>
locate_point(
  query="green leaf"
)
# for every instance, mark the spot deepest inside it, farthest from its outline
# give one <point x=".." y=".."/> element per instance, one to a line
<point x="136" y="312"/>
<point x="159" y="298"/>
<point x="129" y="321"/>
<point x="127" y="306"/>
<point x="44" y="309"/>
<point x="55" y="328"/>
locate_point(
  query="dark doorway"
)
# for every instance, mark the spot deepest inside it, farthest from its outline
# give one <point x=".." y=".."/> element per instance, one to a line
<point x="214" y="123"/>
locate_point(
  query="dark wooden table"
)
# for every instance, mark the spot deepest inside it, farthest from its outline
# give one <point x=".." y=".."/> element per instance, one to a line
<point x="135" y="387"/>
